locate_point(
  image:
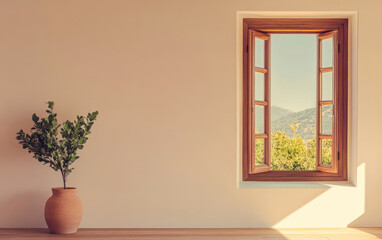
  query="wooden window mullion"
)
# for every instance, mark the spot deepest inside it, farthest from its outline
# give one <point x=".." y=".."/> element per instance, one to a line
<point x="265" y="103"/>
<point x="333" y="167"/>
<point x="267" y="112"/>
<point x="251" y="106"/>
<point x="318" y="106"/>
<point x="261" y="70"/>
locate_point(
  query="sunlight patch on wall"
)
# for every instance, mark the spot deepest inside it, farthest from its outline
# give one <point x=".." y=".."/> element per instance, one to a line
<point x="337" y="207"/>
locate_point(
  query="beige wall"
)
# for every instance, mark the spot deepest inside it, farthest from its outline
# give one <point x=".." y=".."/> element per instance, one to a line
<point x="164" y="150"/>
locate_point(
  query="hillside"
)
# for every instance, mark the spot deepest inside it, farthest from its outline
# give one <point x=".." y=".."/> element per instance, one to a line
<point x="279" y="112"/>
<point x="276" y="113"/>
<point x="306" y="120"/>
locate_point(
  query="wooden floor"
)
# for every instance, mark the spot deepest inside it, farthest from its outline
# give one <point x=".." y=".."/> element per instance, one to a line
<point x="203" y="234"/>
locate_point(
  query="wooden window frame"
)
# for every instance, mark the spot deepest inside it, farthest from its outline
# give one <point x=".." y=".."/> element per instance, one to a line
<point x="338" y="171"/>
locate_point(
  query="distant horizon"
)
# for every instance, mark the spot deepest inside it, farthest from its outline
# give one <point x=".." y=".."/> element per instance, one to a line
<point x="291" y="109"/>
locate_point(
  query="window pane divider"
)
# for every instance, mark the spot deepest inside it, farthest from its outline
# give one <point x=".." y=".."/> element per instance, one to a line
<point x="328" y="69"/>
<point x="261" y="135"/>
<point x="261" y="103"/>
<point x="327" y="35"/>
<point x="264" y="166"/>
<point x="261" y="70"/>
<point x="262" y="36"/>
<point x="326" y="103"/>
<point x="324" y="136"/>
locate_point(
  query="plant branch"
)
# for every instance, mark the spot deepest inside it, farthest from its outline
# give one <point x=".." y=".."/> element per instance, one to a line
<point x="47" y="148"/>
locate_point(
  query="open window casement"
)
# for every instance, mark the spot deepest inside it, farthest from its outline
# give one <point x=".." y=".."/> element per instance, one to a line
<point x="328" y="139"/>
<point x="258" y="59"/>
<point x="326" y="161"/>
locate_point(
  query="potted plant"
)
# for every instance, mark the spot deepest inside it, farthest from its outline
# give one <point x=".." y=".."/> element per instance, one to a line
<point x="63" y="210"/>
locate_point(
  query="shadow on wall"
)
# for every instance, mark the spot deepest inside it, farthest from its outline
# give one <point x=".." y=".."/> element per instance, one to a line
<point x="20" y="207"/>
<point x="371" y="216"/>
<point x="12" y="152"/>
<point x="24" y="210"/>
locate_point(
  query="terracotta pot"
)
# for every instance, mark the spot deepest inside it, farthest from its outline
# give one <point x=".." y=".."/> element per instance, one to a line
<point x="63" y="211"/>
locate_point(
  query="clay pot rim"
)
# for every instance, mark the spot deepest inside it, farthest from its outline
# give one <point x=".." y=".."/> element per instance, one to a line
<point x="61" y="190"/>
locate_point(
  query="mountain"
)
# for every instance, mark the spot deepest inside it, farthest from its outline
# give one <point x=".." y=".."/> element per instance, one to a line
<point x="276" y="113"/>
<point x="306" y="121"/>
<point x="279" y="112"/>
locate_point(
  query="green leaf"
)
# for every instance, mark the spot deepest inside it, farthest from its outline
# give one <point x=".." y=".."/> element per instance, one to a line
<point x="35" y="118"/>
<point x="50" y="105"/>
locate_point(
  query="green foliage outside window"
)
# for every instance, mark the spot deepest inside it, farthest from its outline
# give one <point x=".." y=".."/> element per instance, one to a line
<point x="259" y="153"/>
<point x="293" y="153"/>
<point x="326" y="154"/>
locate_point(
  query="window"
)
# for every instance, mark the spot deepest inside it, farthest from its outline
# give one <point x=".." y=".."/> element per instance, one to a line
<point x="303" y="63"/>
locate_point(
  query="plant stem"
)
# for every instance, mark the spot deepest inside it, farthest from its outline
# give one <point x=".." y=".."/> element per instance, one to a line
<point x="63" y="178"/>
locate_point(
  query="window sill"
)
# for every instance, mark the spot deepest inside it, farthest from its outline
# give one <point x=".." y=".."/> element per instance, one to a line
<point x="262" y="184"/>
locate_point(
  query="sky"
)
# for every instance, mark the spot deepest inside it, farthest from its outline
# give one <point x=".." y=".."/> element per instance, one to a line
<point x="293" y="71"/>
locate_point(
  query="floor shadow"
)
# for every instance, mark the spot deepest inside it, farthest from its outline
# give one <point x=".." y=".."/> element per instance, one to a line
<point x="372" y="231"/>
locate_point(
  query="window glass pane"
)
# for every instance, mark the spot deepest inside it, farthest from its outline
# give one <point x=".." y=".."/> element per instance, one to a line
<point x="259" y="151"/>
<point x="326" y="151"/>
<point x="293" y="101"/>
<point x="259" y="86"/>
<point x="327" y="53"/>
<point x="327" y="119"/>
<point x="327" y="86"/>
<point x="259" y="52"/>
<point x="259" y="119"/>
